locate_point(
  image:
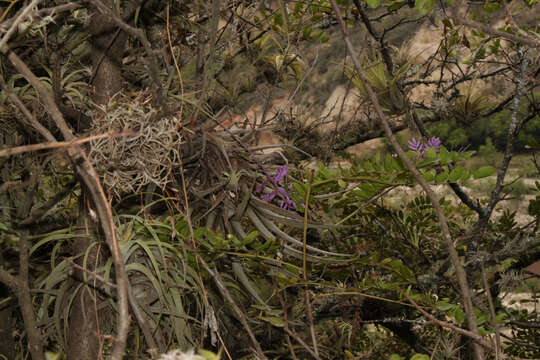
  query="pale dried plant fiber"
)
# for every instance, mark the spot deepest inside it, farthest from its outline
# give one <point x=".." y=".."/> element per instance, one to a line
<point x="128" y="163"/>
<point x="179" y="355"/>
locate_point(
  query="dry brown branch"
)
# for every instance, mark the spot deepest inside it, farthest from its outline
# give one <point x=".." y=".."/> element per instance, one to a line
<point x="460" y="272"/>
<point x="227" y="295"/>
<point x="513" y="131"/>
<point x="142" y="320"/>
<point x="59" y="144"/>
<point x="20" y="286"/>
<point x="91" y="274"/>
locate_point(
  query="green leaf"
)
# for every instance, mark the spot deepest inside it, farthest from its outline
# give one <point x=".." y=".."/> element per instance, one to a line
<point x="506" y="264"/>
<point x="457" y="174"/>
<point x="483" y="172"/>
<point x="395" y="357"/>
<point x="444" y="306"/>
<point x="447" y="23"/>
<point x="459" y="315"/>
<point x="424" y="7"/>
<point x="278" y="322"/>
<point x="373" y="3"/>
<point x="443" y="176"/>
<point x="420" y="357"/>
<point x="429" y="175"/>
<point x="396" y="6"/>
<point x="430" y="153"/>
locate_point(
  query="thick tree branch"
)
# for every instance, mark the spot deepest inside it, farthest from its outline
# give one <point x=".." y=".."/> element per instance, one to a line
<point x="513" y="130"/>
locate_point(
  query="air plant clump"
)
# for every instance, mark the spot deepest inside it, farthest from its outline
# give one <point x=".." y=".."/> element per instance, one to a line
<point x="127" y="164"/>
<point x="286" y="203"/>
<point x="420" y="148"/>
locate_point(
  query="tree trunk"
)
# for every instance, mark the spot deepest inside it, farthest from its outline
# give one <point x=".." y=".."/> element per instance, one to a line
<point x="108" y="44"/>
<point x="83" y="337"/>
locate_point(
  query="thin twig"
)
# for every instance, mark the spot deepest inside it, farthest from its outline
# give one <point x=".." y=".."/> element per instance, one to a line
<point x="227" y="295"/>
<point x="46" y="11"/>
<point x="60" y="144"/>
<point x="198" y="258"/>
<point x="92" y="274"/>
<point x="300" y="341"/>
<point x="31" y="117"/>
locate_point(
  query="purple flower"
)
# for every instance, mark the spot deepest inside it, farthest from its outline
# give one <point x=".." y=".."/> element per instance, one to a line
<point x="434" y="143"/>
<point x="280" y="174"/>
<point x="416" y="145"/>
<point x="419" y="147"/>
<point x="286" y="203"/>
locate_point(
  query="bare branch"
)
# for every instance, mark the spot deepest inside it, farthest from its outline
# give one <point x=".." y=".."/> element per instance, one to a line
<point x="492" y="314"/>
<point x="47" y="11"/>
<point x="59" y="144"/>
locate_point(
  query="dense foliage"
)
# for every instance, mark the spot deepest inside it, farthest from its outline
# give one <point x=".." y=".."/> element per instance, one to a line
<point x="144" y="212"/>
